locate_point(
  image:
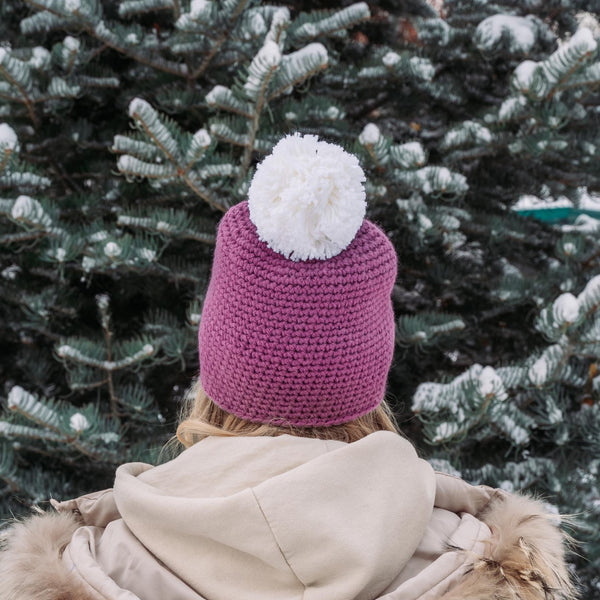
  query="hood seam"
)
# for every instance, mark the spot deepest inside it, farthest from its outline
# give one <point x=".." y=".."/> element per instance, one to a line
<point x="262" y="512"/>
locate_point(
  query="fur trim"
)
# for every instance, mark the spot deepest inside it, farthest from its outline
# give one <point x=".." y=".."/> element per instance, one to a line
<point x="525" y="558"/>
<point x="31" y="567"/>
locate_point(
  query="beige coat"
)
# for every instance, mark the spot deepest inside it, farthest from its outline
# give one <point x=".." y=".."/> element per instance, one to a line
<point x="287" y="518"/>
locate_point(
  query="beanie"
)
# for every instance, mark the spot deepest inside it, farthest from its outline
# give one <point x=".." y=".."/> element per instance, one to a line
<point x="297" y="326"/>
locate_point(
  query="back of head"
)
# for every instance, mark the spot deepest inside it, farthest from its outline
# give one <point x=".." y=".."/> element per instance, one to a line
<point x="202" y="418"/>
<point x="297" y="327"/>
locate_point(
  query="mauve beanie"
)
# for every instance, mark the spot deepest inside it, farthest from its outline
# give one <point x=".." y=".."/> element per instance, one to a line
<point x="297" y="334"/>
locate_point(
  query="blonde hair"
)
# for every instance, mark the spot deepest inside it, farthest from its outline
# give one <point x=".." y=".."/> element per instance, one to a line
<point x="202" y="418"/>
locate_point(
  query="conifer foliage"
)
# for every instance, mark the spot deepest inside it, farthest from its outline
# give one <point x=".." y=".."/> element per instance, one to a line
<point x="110" y="205"/>
<point x="128" y="127"/>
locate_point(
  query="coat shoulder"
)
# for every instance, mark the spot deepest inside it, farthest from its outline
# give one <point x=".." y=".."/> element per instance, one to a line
<point x="524" y="558"/>
<point x="31" y="567"/>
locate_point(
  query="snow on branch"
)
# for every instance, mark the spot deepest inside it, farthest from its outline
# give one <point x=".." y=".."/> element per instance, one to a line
<point x="435" y="181"/>
<point x="134" y="167"/>
<point x="11" y="430"/>
<point x="68" y="352"/>
<point x="467" y="133"/>
<point x="298" y="67"/>
<point x="199" y="144"/>
<point x="29" y="211"/>
<point x="127" y="145"/>
<point x="42" y="22"/>
<point x="262" y="67"/>
<point x="27" y="404"/>
<point x="539" y="79"/>
<point x="411" y="155"/>
<point x="222" y="98"/>
<point x="518" y="35"/>
<point x="15" y="71"/>
<point x="313" y="25"/>
<point x="148" y="121"/>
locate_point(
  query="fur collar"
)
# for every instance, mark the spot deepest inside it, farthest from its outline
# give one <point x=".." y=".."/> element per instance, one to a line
<point x="525" y="559"/>
<point x="30" y="563"/>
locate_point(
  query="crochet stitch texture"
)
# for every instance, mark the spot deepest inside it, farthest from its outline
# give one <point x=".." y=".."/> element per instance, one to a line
<point x="305" y="343"/>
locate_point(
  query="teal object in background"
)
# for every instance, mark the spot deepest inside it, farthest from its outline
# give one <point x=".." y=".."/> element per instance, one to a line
<point x="563" y="214"/>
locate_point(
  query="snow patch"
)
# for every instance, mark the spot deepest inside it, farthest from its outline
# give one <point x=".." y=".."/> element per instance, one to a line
<point x="583" y="224"/>
<point x="197" y="7"/>
<point x="390" y="59"/>
<point x="112" y="250"/>
<point x="26" y="208"/>
<point x="40" y="57"/>
<point x="538" y="372"/>
<point x="490" y="384"/>
<point x="520" y="32"/>
<point x="202" y="138"/>
<point x="78" y="423"/>
<point x="148" y="254"/>
<point x="424" y="222"/>
<point x="281" y="17"/>
<point x="18" y="397"/>
<point x="87" y="264"/>
<point x="333" y="112"/>
<point x="531" y="202"/>
<point x="270" y="54"/>
<point x="584" y="38"/>
<point x="213" y="95"/>
<point x="138" y="106"/>
<point x="8" y="138"/>
<point x="422" y="67"/>
<point x="565" y="309"/>
<point x="99" y="236"/>
<point x="72" y="5"/>
<point x="511" y="106"/>
<point x="587" y="201"/>
<point x="71" y="44"/>
<point x="266" y="59"/>
<point x="524" y="74"/>
<point x="11" y="272"/>
<point x="257" y="26"/>
<point x="370" y="135"/>
<point x="109" y="438"/>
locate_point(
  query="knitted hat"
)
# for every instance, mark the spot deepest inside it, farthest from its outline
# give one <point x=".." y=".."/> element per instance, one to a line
<point x="297" y="325"/>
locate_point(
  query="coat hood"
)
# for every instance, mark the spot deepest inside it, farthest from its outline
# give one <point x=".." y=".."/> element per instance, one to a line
<point x="283" y="517"/>
<point x="279" y="518"/>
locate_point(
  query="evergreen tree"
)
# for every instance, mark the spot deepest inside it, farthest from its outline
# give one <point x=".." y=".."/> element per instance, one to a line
<point x="503" y="123"/>
<point x="128" y="128"/>
<point x="107" y="234"/>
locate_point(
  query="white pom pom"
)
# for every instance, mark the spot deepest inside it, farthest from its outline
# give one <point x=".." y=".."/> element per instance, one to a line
<point x="307" y="199"/>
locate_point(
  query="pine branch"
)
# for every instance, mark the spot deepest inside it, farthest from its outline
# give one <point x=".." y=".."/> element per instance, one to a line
<point x="101" y="33"/>
<point x="200" y="70"/>
<point x="149" y="121"/>
<point x="6" y="72"/>
<point x="265" y="64"/>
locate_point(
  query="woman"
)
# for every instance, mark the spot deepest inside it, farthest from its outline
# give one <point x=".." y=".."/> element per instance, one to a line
<point x="295" y="483"/>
